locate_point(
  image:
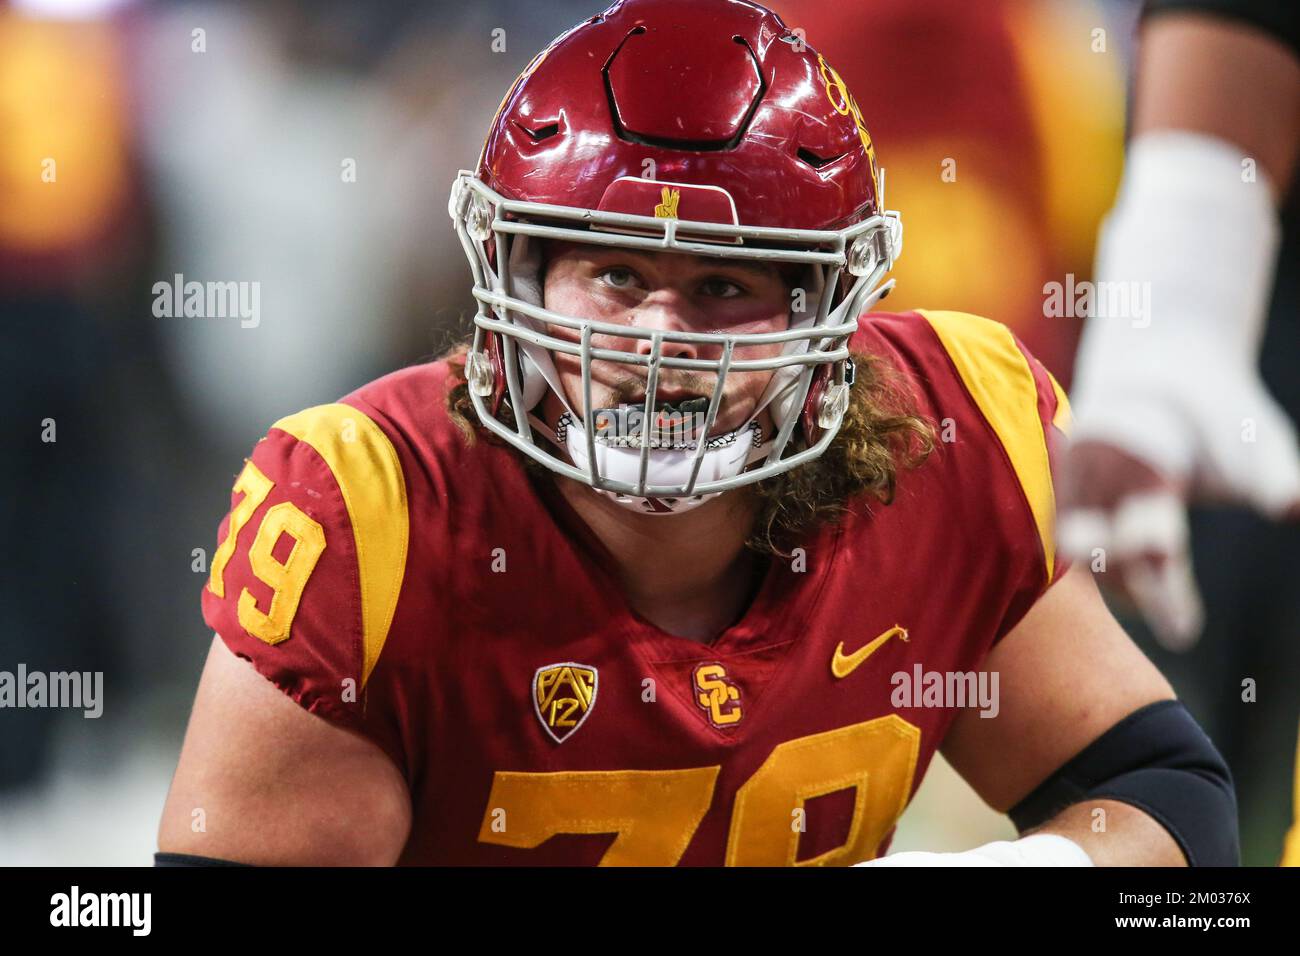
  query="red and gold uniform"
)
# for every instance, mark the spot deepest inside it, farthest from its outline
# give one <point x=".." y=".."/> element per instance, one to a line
<point x="431" y="597"/>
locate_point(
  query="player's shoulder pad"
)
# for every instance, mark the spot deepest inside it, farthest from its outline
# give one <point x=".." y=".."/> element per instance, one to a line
<point x="1017" y="397"/>
<point x="330" y="481"/>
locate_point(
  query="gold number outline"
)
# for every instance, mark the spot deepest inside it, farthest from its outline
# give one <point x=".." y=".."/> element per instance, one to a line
<point x="655" y="813"/>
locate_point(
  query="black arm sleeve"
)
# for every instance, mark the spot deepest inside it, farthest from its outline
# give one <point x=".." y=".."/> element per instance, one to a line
<point x="1159" y="760"/>
<point x="186" y="859"/>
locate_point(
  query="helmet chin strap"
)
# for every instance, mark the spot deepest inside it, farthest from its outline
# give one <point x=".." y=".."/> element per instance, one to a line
<point x="727" y="454"/>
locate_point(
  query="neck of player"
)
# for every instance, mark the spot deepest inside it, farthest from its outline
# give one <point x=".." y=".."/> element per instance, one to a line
<point x="689" y="574"/>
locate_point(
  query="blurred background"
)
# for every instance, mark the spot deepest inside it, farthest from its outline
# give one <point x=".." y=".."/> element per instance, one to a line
<point x="309" y="148"/>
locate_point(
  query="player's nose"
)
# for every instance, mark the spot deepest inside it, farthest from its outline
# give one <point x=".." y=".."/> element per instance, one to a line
<point x="667" y="312"/>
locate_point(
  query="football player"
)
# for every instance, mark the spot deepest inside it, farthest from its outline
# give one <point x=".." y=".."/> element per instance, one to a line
<point x="687" y="556"/>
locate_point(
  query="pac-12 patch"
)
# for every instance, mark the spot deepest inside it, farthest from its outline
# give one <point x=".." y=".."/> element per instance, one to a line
<point x="563" y="697"/>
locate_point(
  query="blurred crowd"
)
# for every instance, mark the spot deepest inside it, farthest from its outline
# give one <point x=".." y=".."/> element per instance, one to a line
<point x="308" y="148"/>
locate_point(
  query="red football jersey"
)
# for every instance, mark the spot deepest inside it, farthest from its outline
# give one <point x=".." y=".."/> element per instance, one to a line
<point x="428" y="595"/>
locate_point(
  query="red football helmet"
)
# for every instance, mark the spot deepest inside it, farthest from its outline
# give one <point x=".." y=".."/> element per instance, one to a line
<point x="695" y="126"/>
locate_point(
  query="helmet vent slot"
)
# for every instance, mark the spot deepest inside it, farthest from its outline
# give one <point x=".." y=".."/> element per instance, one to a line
<point x="817" y="162"/>
<point x="541" y="132"/>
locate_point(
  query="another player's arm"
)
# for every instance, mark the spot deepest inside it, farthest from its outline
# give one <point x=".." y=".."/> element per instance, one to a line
<point x="262" y="781"/>
<point x="1225" y="78"/>
<point x="1068" y="675"/>
<point x="1217" y="94"/>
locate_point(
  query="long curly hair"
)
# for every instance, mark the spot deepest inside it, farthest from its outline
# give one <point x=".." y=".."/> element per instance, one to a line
<point x="882" y="433"/>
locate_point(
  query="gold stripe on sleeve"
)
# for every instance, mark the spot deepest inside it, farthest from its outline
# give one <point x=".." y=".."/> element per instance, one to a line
<point x="997" y="376"/>
<point x="1063" y="418"/>
<point x="369" y="476"/>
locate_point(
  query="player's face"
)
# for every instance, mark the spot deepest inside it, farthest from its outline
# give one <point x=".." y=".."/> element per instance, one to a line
<point x="672" y="292"/>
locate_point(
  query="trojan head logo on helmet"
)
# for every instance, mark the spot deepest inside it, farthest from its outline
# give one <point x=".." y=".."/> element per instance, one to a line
<point x="702" y="127"/>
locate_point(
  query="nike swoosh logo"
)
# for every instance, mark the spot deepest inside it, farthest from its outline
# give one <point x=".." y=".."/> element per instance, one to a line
<point x="843" y="666"/>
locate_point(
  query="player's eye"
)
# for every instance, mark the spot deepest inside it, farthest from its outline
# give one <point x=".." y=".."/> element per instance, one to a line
<point x="717" y="286"/>
<point x="619" y="277"/>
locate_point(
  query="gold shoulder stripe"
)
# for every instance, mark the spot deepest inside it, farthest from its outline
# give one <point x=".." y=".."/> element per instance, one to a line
<point x="366" y="468"/>
<point x="997" y="375"/>
<point x="1063" y="418"/>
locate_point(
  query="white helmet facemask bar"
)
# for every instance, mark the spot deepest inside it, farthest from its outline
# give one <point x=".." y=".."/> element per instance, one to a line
<point x="510" y="304"/>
